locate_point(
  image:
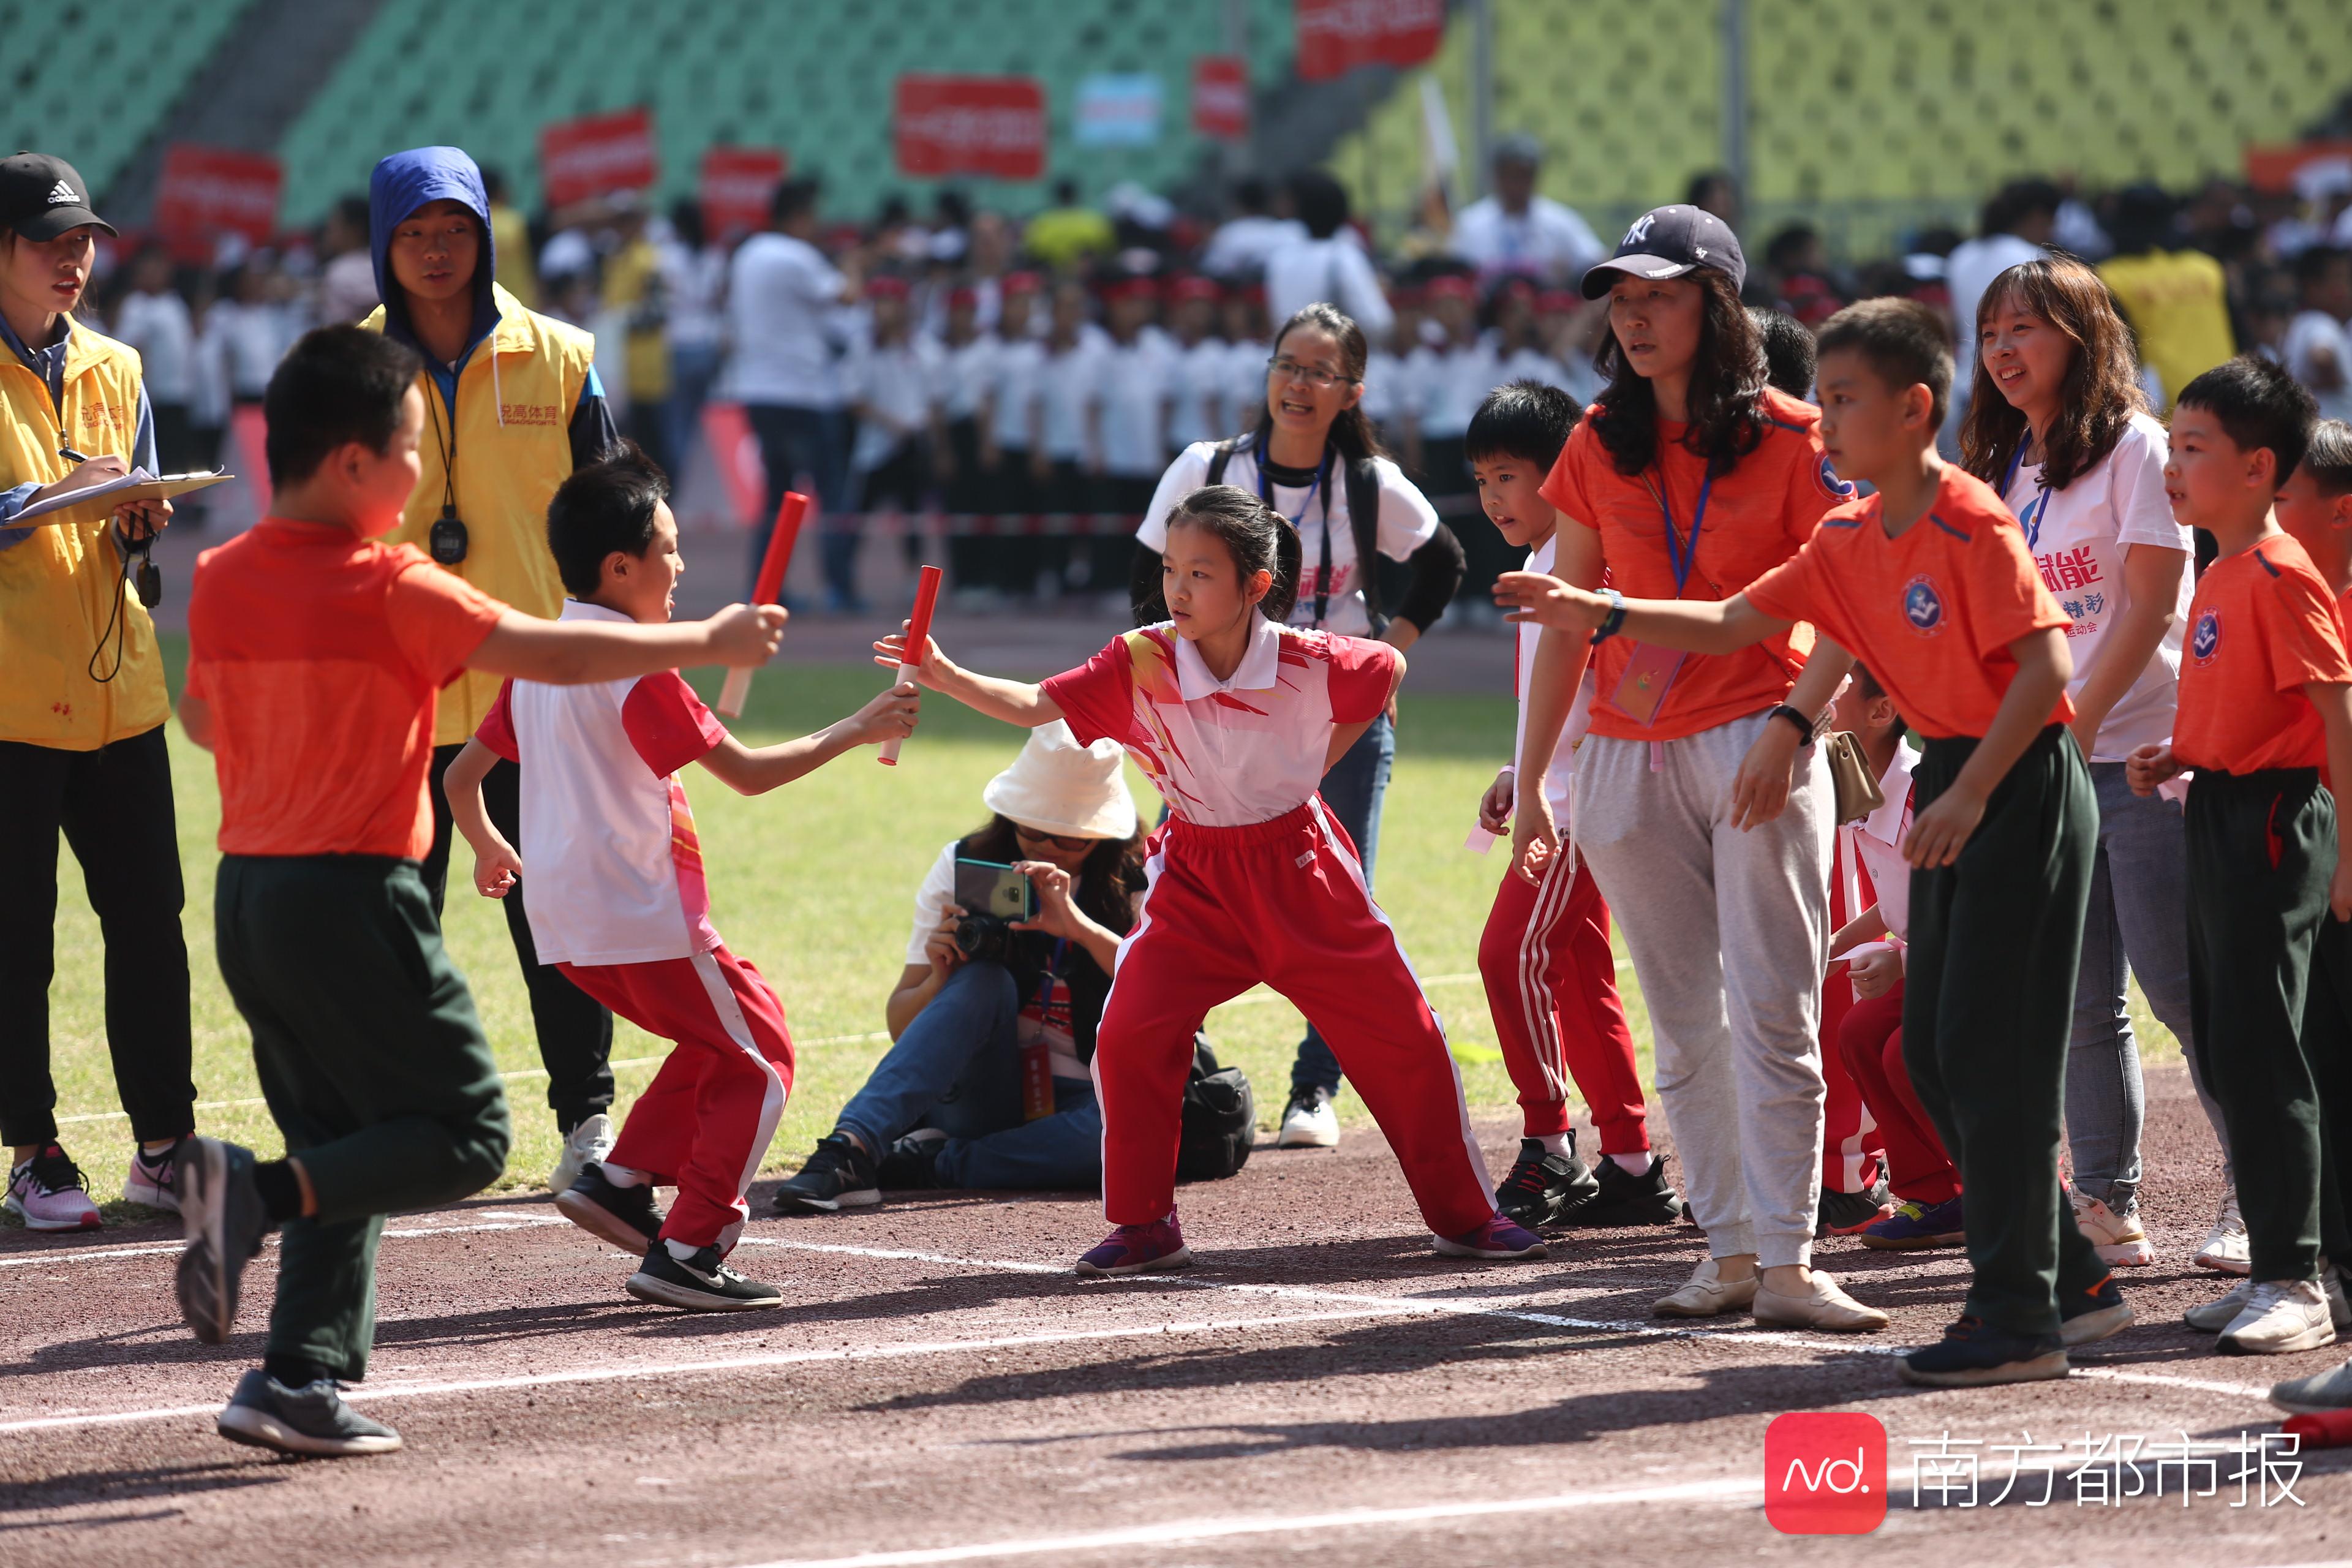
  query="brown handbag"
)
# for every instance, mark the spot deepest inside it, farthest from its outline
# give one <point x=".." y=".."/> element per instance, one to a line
<point x="1858" y="794"/>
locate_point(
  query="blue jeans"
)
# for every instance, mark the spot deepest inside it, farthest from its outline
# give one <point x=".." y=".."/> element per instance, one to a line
<point x="957" y="1068"/>
<point x="693" y="371"/>
<point x="812" y="441"/>
<point x="1353" y="789"/>
<point x="2138" y="915"/>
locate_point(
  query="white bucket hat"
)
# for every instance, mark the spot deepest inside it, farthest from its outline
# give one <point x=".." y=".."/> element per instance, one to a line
<point x="1056" y="785"/>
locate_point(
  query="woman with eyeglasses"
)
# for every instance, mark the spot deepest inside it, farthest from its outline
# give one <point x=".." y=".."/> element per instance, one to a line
<point x="986" y="1083"/>
<point x="1313" y="456"/>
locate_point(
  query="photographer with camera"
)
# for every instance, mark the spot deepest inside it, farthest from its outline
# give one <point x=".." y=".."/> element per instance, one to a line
<point x="987" y="1084"/>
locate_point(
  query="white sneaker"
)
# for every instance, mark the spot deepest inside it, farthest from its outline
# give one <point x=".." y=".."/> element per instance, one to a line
<point x="592" y="1140"/>
<point x="2225" y="1248"/>
<point x="2212" y="1317"/>
<point x="2281" y="1316"/>
<point x="1309" y="1122"/>
<point x="2118" y="1238"/>
<point x="48" y="1193"/>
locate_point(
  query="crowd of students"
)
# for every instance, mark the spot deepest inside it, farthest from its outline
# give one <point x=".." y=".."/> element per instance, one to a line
<point x="1885" y="982"/>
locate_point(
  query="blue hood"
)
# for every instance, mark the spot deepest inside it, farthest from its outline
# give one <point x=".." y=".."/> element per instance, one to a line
<point x="405" y="181"/>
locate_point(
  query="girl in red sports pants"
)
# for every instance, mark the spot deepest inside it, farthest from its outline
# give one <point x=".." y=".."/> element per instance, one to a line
<point x="1236" y="717"/>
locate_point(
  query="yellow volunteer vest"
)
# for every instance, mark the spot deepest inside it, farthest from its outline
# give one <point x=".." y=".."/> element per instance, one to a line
<point x="515" y="399"/>
<point x="58" y="589"/>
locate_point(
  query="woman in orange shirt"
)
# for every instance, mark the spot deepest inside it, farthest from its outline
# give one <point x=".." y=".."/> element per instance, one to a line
<point x="1701" y="802"/>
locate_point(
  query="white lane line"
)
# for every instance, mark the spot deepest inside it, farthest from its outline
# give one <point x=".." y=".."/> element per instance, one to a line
<point x="1170" y="1532"/>
<point x="730" y="1363"/>
<point x="491" y="1220"/>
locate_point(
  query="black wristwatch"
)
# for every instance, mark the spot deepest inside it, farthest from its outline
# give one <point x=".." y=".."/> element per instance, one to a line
<point x="1794" y="716"/>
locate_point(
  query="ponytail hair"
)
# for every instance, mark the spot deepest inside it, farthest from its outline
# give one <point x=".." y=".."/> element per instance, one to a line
<point x="1254" y="534"/>
<point x="1352" y="435"/>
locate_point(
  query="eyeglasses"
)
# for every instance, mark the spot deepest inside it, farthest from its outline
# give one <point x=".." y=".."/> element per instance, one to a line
<point x="1059" y="841"/>
<point x="1313" y="375"/>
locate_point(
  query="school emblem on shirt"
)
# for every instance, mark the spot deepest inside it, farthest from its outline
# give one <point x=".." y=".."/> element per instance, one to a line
<point x="1832" y="486"/>
<point x="2206" y="640"/>
<point x="1923" y="607"/>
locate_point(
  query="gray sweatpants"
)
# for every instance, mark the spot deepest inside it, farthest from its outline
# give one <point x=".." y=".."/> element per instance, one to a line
<point x="1730" y="933"/>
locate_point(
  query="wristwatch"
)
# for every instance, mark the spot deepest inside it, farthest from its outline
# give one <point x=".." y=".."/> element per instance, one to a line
<point x="1795" y="716"/>
<point x="1611" y="622"/>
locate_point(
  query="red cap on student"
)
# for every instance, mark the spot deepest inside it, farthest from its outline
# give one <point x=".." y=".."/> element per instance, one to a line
<point x="1557" y="303"/>
<point x="1452" y="285"/>
<point x="1409" y="296"/>
<point x="885" y="287"/>
<point x="1134" y="286"/>
<point x="1020" y="283"/>
<point x="963" y="298"/>
<point x="1192" y="286"/>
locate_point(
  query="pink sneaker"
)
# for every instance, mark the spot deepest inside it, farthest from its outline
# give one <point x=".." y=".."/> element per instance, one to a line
<point x="1139" y="1249"/>
<point x="1497" y="1240"/>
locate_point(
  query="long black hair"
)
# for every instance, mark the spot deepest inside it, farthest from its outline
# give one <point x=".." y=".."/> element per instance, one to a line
<point x="1352" y="435"/>
<point x="1107" y="879"/>
<point x="1726" y="401"/>
<point x="1255" y="534"/>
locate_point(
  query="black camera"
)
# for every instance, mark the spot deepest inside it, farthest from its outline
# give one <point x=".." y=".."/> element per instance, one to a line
<point x="985" y="938"/>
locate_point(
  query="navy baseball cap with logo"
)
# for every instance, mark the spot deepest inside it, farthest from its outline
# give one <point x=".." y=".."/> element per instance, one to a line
<point x="41" y="197"/>
<point x="1668" y="242"/>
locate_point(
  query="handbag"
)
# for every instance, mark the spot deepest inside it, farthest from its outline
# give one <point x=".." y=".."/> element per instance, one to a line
<point x="1858" y="794"/>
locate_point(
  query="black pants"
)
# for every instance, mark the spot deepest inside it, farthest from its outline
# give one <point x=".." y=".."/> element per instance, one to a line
<point x="374" y="1063"/>
<point x="1015" y="556"/>
<point x="1988" y="1009"/>
<point x="965" y="493"/>
<point x="1109" y="551"/>
<point x="2262" y="847"/>
<point x="114" y="806"/>
<point x="575" y="1031"/>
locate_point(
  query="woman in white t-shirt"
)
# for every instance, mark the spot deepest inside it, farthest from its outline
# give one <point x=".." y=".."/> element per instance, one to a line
<point x="1309" y="436"/>
<point x="2058" y="425"/>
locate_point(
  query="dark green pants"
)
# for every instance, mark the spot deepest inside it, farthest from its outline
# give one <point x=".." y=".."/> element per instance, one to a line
<point x="1988" y="1009"/>
<point x="374" y="1067"/>
<point x="2327" y="1046"/>
<point x="2262" y="846"/>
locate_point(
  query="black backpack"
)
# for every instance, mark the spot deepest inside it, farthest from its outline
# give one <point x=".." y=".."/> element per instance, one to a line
<point x="1220" y="1122"/>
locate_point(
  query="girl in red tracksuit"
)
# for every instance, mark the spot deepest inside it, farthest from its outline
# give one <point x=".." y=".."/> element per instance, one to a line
<point x="1236" y="717"/>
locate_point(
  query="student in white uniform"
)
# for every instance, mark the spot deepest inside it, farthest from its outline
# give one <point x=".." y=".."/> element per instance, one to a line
<point x="1065" y="430"/>
<point x="1327" y="265"/>
<point x="1451" y="379"/>
<point x="967" y="364"/>
<point x="1197" y="407"/>
<point x="1312" y="455"/>
<point x="889" y="378"/>
<point x="1390" y="394"/>
<point x="1006" y="430"/>
<point x="1139" y="364"/>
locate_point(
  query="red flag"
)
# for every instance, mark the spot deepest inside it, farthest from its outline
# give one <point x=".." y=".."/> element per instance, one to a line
<point x="208" y="192"/>
<point x="991" y="125"/>
<point x="1221" y="98"/>
<point x="595" y="154"/>
<point x="1335" y="37"/>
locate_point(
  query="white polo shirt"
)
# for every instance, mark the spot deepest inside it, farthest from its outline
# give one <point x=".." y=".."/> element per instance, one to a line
<point x="1136" y="381"/>
<point x="1014" y="370"/>
<point x="1875" y="846"/>
<point x="1198" y="385"/>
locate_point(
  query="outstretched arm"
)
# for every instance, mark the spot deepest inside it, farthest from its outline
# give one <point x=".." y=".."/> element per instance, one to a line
<point x="756" y="771"/>
<point x="1724" y="626"/>
<point x="578" y="653"/>
<point x="1015" y="702"/>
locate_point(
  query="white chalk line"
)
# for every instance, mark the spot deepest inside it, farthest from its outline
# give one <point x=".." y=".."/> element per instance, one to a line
<point x="491" y="1220"/>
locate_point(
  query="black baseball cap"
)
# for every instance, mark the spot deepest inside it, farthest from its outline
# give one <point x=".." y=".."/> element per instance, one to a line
<point x="41" y="196"/>
<point x="1667" y="242"/>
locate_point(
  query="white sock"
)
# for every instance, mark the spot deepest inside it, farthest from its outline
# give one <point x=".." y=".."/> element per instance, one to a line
<point x="1556" y="1143"/>
<point x="681" y="1251"/>
<point x="620" y="1175"/>
<point x="1633" y="1164"/>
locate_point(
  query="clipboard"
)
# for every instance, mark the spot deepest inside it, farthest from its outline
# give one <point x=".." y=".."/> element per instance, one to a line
<point x="135" y="486"/>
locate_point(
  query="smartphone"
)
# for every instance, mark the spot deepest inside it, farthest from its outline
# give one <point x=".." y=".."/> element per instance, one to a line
<point x="986" y="888"/>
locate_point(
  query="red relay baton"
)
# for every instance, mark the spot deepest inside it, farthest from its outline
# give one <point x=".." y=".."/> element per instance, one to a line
<point x="789" y="513"/>
<point x="2331" y="1430"/>
<point x="919" y="632"/>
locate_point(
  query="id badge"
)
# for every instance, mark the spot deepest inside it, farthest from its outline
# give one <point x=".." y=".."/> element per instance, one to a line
<point x="1036" y="1079"/>
<point x="1649" y="676"/>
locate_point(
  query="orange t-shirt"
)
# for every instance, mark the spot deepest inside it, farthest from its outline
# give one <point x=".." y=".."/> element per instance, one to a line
<point x="2262" y="624"/>
<point x="1756" y="515"/>
<point x="1931" y="613"/>
<point x="322" y="655"/>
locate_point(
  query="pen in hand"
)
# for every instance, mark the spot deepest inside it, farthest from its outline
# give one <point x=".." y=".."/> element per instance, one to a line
<point x="70" y="456"/>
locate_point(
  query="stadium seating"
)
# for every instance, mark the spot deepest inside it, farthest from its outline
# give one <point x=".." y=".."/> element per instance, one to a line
<point x="66" y="48"/>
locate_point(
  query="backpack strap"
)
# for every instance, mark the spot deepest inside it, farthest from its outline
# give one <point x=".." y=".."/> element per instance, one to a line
<point x="1220" y="458"/>
<point x="1364" y="522"/>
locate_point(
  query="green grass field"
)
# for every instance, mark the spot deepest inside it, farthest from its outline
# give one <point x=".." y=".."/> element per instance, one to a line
<point x="815" y="883"/>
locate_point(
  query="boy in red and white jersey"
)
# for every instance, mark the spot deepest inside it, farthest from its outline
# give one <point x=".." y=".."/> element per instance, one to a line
<point x="620" y="901"/>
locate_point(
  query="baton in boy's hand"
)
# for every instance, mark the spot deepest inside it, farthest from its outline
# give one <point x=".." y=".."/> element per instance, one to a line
<point x="770" y="584"/>
<point x="919" y="635"/>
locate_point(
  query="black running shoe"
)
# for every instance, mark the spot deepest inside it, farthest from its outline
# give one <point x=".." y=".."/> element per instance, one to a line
<point x="1543" y="1187"/>
<point x="1625" y="1198"/>
<point x="1974" y="1354"/>
<point x="838" y="1175"/>
<point x="1844" y="1214"/>
<point x="2086" y="1317"/>
<point x="312" y="1420"/>
<point x="222" y="1214"/>
<point x="625" y="1217"/>
<point x="912" y="1163"/>
<point x="702" y="1283"/>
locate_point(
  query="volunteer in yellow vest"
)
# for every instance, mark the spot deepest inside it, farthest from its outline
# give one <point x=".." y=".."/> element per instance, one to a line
<point x="512" y="406"/>
<point x="82" y="706"/>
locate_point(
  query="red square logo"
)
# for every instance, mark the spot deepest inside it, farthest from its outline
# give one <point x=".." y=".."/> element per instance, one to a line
<point x="1825" y="1473"/>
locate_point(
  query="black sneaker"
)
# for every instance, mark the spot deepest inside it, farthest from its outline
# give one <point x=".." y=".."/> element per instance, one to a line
<point x="702" y="1283"/>
<point x="912" y="1163"/>
<point x="313" y="1419"/>
<point x="2086" y="1317"/>
<point x="223" y="1213"/>
<point x="1625" y="1198"/>
<point x="1844" y="1214"/>
<point x="625" y="1217"/>
<point x="1543" y="1187"/>
<point x="838" y="1175"/>
<point x="1973" y="1354"/>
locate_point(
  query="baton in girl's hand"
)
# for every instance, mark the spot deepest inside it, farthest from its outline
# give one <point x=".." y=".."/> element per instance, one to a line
<point x="918" y="637"/>
<point x="770" y="584"/>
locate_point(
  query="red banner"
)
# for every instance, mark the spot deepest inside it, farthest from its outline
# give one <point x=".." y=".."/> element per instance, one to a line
<point x="1335" y="37"/>
<point x="596" y="154"/>
<point x="738" y="182"/>
<point x="991" y="125"/>
<point x="1221" y="98"/>
<point x="208" y="192"/>
<point x="2279" y="169"/>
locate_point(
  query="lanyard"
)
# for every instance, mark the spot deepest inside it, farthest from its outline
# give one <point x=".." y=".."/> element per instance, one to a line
<point x="2030" y="518"/>
<point x="1683" y="552"/>
<point x="1322" y="481"/>
<point x="1052" y="972"/>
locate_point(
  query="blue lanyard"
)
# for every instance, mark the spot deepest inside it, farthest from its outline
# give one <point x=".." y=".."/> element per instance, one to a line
<point x="2030" y="518"/>
<point x="1052" y="969"/>
<point x="1683" y="552"/>
<point x="1322" y="481"/>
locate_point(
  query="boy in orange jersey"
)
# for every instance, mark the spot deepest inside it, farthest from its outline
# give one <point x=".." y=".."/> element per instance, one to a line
<point x="1929" y="583"/>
